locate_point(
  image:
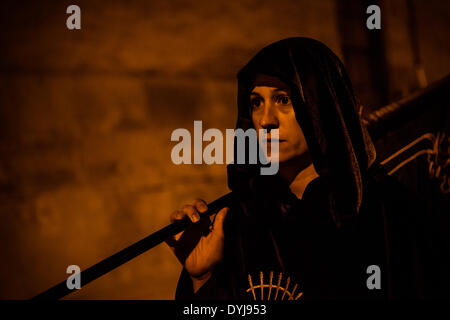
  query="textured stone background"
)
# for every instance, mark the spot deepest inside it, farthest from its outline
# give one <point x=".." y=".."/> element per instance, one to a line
<point x="86" y="118"/>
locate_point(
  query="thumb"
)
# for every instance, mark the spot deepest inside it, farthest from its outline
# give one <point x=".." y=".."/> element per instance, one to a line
<point x="218" y="221"/>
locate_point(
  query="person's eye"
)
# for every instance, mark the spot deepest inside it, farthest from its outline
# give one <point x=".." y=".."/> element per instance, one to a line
<point x="256" y="102"/>
<point x="283" y="99"/>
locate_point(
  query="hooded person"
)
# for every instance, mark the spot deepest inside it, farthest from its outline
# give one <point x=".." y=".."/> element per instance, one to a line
<point x="349" y="234"/>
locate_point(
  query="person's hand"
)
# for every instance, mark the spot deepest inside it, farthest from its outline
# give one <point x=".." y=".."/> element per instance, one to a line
<point x="200" y="247"/>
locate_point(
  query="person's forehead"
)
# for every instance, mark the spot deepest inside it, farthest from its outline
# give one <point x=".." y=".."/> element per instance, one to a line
<point x="263" y="80"/>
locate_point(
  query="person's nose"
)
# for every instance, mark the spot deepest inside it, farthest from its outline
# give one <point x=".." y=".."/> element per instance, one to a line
<point x="269" y="119"/>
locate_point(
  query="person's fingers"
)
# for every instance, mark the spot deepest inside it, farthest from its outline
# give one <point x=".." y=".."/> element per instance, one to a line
<point x="218" y="221"/>
<point x="177" y="215"/>
<point x="191" y="212"/>
<point x="200" y="205"/>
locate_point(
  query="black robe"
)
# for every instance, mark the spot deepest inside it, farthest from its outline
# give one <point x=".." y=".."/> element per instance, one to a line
<point x="327" y="262"/>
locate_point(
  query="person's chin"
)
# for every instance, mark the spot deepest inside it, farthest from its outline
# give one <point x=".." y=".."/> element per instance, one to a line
<point x="275" y="157"/>
<point x="278" y="157"/>
<point x="287" y="157"/>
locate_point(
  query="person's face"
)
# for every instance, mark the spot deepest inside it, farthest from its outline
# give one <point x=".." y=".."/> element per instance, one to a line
<point x="271" y="108"/>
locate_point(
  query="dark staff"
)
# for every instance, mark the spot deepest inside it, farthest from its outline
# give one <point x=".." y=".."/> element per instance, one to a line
<point x="379" y="123"/>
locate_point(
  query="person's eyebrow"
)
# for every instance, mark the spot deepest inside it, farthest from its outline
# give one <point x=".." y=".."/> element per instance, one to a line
<point x="255" y="93"/>
<point x="281" y="89"/>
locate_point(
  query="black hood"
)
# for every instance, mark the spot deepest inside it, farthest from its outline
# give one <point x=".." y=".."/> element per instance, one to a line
<point x="329" y="115"/>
